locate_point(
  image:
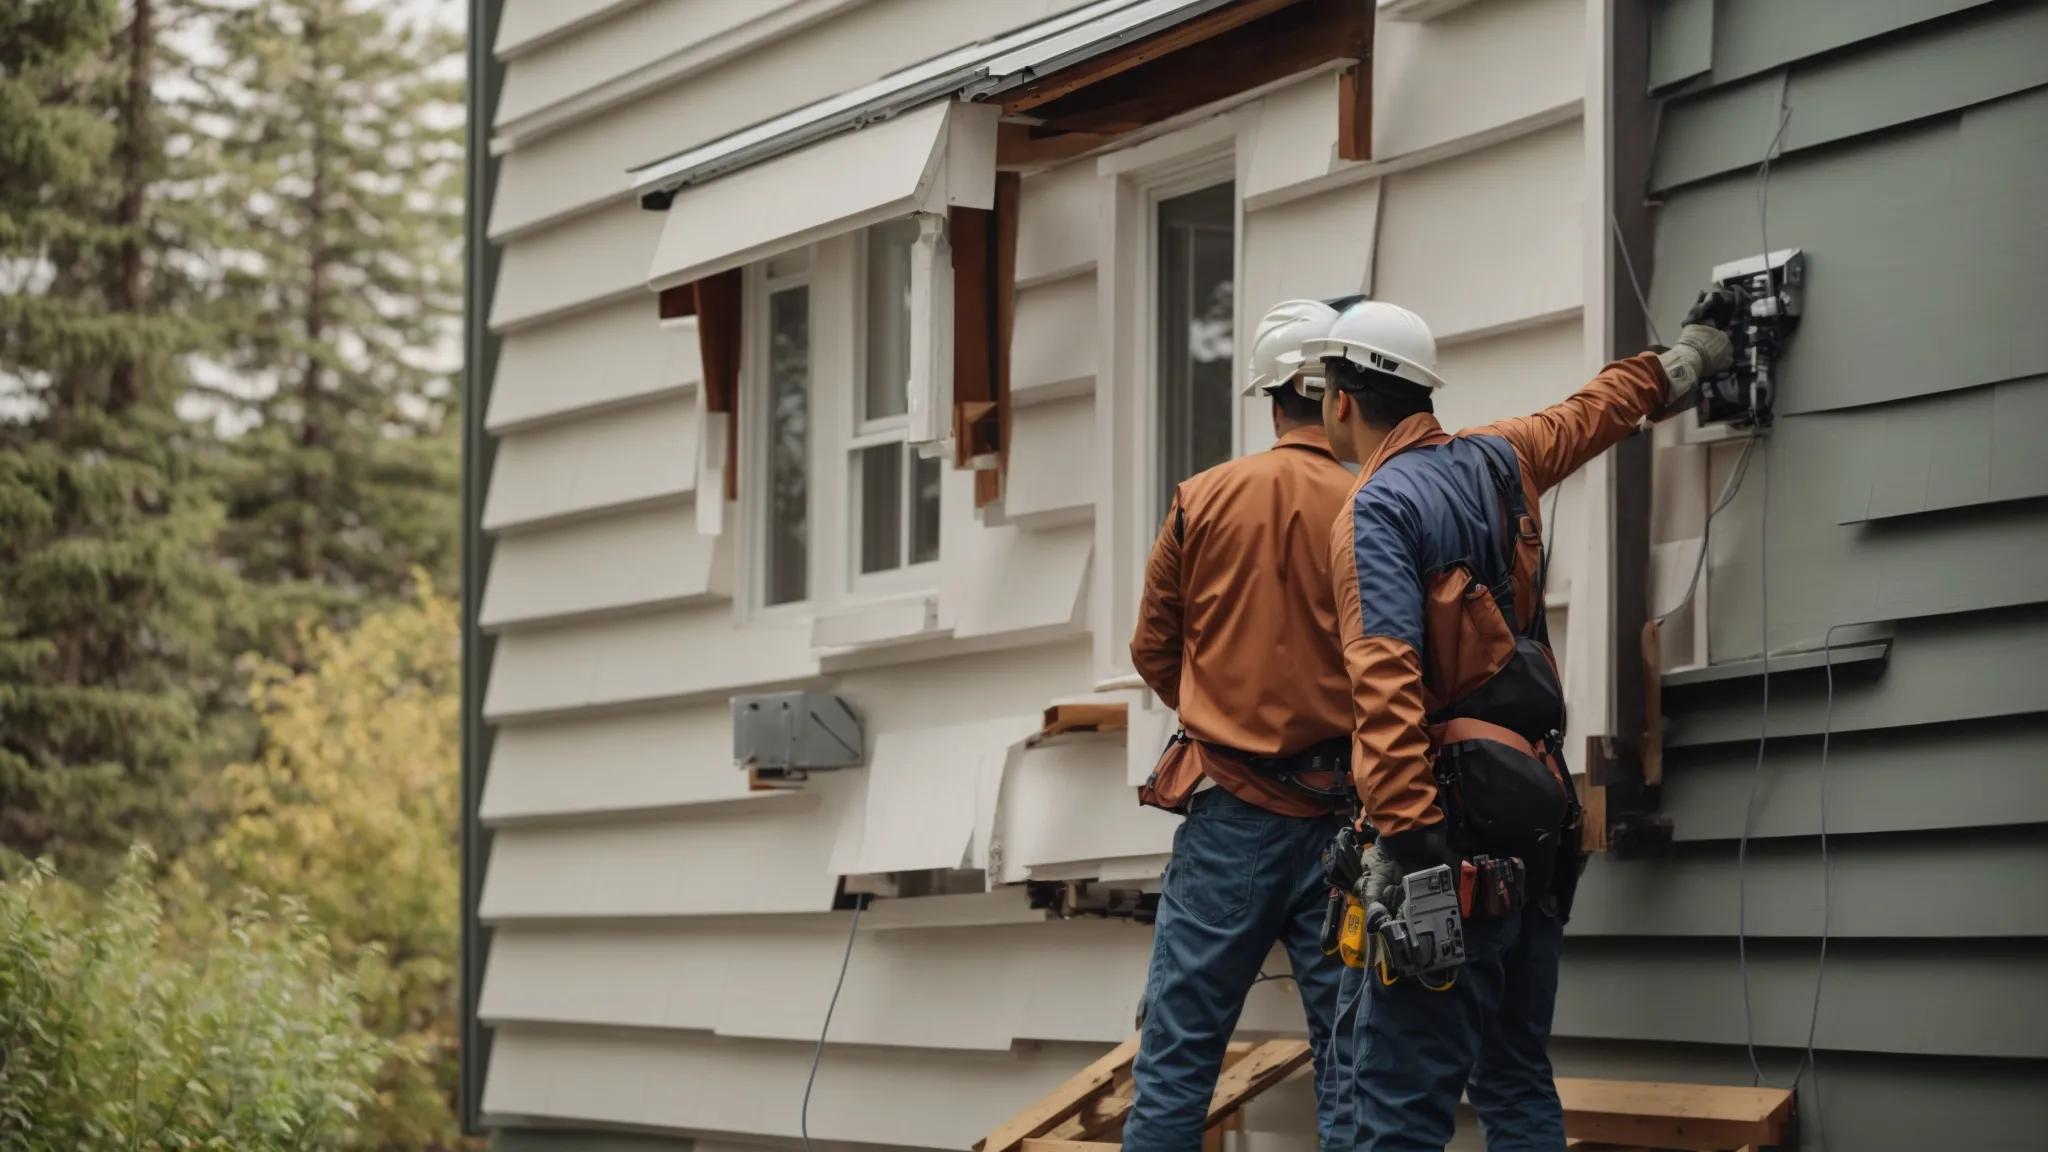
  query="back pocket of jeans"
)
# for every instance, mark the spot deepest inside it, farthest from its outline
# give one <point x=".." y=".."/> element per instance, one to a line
<point x="1216" y="861"/>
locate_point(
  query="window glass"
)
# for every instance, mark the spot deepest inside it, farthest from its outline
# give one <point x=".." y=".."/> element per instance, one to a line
<point x="881" y="507"/>
<point x="787" y="555"/>
<point x="1197" y="242"/>
<point x="924" y="512"/>
<point x="888" y="300"/>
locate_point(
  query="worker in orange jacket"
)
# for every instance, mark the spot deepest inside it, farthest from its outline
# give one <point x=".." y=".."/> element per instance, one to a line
<point x="1237" y="633"/>
<point x="1457" y="752"/>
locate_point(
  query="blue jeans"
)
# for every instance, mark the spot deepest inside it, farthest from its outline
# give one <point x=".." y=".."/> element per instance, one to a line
<point x="1486" y="1036"/>
<point x="1241" y="879"/>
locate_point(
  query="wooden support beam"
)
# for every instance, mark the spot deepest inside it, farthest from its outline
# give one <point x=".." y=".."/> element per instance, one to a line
<point x="1153" y="47"/>
<point x="1354" y="112"/>
<point x="1062" y="1103"/>
<point x="1692" y="1117"/>
<point x="1265" y="1066"/>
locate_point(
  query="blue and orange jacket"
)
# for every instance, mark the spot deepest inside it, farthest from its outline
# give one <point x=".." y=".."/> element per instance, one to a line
<point x="1424" y="520"/>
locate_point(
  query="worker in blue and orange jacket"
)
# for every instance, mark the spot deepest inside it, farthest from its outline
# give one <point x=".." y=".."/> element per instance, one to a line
<point x="1237" y="634"/>
<point x="1457" y="749"/>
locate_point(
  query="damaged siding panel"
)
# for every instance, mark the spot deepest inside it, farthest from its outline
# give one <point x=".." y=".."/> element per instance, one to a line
<point x="1012" y="581"/>
<point x="1823" y="573"/>
<point x="630" y="764"/>
<point x="674" y="656"/>
<point x="608" y="357"/>
<point x="613" y="461"/>
<point x="1066" y="802"/>
<point x="637" y="560"/>
<point x="1956" y="450"/>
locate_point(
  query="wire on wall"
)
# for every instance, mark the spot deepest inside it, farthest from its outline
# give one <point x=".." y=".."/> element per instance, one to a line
<point x="803" y="1120"/>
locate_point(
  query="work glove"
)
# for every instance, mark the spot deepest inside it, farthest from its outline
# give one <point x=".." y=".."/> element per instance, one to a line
<point x="1379" y="879"/>
<point x="1703" y="350"/>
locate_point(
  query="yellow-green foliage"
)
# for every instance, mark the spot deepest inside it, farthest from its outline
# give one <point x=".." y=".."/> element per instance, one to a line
<point x="243" y="1037"/>
<point x="353" y="807"/>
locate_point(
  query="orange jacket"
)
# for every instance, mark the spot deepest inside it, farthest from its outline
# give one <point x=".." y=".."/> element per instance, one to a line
<point x="1237" y="631"/>
<point x="1424" y="504"/>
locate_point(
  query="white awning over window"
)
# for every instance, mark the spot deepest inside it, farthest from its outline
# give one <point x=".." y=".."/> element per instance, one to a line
<point x="927" y="160"/>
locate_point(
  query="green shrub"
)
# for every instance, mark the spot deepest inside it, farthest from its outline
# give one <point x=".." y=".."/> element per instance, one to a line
<point x="117" y="1034"/>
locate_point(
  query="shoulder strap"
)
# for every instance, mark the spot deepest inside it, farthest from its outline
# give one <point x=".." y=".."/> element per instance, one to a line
<point x="1513" y="507"/>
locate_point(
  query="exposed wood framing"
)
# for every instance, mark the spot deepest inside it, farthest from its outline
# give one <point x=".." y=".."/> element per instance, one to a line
<point x="1063" y="718"/>
<point x="1151" y="48"/>
<point x="1354" y="112"/>
<point x="1088" y="1111"/>
<point x="1208" y="59"/>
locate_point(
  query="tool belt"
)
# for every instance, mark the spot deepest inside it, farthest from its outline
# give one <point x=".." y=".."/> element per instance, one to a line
<point x="1332" y="755"/>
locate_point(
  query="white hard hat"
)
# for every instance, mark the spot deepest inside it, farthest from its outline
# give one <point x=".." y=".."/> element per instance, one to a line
<point x="1277" y="346"/>
<point x="1381" y="337"/>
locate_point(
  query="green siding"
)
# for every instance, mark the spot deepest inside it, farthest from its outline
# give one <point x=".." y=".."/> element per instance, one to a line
<point x="1987" y="665"/>
<point x="1907" y="498"/>
<point x="1752" y="36"/>
<point x="1938" y="998"/>
<point x="1681" y="41"/>
<point x="1956" y="450"/>
<point x="1967" y="774"/>
<point x="1991" y="53"/>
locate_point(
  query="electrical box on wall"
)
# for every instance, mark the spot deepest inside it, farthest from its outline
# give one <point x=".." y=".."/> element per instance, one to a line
<point x="1758" y="301"/>
<point x="789" y="735"/>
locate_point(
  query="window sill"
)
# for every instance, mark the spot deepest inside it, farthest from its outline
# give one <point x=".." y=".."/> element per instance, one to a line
<point x="898" y="620"/>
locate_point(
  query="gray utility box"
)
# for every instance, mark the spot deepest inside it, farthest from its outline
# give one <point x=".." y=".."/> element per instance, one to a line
<point x="788" y="735"/>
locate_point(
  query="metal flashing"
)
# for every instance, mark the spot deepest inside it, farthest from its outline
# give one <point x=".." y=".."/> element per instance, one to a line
<point x="973" y="72"/>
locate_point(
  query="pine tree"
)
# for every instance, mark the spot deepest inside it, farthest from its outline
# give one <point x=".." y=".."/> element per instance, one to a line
<point x="339" y="160"/>
<point x="110" y="606"/>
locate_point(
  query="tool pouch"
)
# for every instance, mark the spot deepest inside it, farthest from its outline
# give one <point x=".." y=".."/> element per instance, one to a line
<point x="1174" y="778"/>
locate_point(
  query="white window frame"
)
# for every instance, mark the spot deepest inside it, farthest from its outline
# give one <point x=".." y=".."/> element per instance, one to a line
<point x="1132" y="182"/>
<point x="857" y="432"/>
<point x="756" y="431"/>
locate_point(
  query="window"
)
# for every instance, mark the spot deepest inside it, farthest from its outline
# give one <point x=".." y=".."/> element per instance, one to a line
<point x="786" y="549"/>
<point x="1195" y="251"/>
<point x="895" y="490"/>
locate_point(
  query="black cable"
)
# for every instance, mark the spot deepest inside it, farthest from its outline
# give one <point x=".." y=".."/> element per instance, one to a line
<point x="803" y="1120"/>
<point x="1827" y="728"/>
